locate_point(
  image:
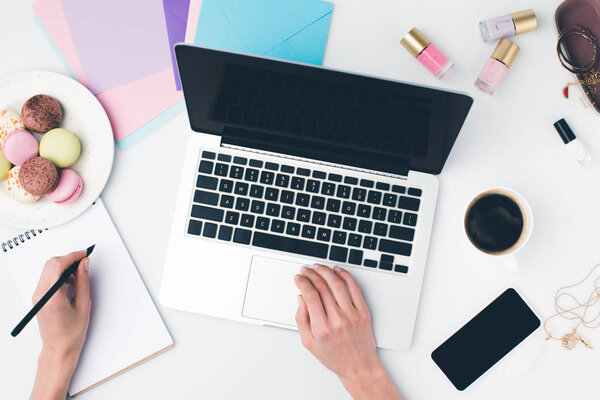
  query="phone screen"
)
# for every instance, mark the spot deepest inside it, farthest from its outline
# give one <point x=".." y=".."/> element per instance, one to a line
<point x="485" y="339"/>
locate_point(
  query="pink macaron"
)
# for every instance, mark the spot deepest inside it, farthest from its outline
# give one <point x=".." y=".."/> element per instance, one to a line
<point x="69" y="188"/>
<point x="19" y="146"/>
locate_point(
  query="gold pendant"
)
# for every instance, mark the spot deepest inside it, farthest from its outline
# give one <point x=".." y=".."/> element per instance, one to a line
<point x="570" y="341"/>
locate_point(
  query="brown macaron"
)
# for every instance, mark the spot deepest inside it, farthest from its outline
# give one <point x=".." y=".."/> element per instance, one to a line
<point x="38" y="176"/>
<point x="41" y="113"/>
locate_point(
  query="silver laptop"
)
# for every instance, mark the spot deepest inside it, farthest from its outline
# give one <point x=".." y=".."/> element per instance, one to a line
<point x="291" y="164"/>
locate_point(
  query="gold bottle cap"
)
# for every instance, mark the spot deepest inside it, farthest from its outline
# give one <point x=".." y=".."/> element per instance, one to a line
<point x="414" y="41"/>
<point x="506" y="51"/>
<point x="525" y="21"/>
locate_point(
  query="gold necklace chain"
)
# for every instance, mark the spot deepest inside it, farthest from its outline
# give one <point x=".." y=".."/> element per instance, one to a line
<point x="577" y="312"/>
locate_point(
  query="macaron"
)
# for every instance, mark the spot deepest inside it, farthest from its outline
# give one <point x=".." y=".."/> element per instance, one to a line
<point x="9" y="121"/>
<point x="16" y="190"/>
<point x="5" y="166"/>
<point x="38" y="176"/>
<point x="41" y="113"/>
<point x="69" y="188"/>
<point x="19" y="146"/>
<point x="60" y="146"/>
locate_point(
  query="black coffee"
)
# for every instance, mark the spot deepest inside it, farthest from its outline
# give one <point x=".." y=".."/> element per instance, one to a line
<point x="494" y="223"/>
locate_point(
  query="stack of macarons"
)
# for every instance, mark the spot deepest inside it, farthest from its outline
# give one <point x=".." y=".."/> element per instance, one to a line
<point x="33" y="169"/>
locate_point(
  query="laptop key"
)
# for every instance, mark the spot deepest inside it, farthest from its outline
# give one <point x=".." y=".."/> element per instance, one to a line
<point x="242" y="204"/>
<point x="206" y="182"/>
<point x="385" y="266"/>
<point x="324" y="234"/>
<point x="256" y="163"/>
<point x="334" y="221"/>
<point x="356" y="257"/>
<point x="349" y="224"/>
<point x="318" y="218"/>
<point x="273" y="209"/>
<point x="209" y="213"/>
<point x="240" y="160"/>
<point x="302" y="199"/>
<point x="267" y="177"/>
<point x="395" y="247"/>
<point x="277" y="226"/>
<point x="410" y="219"/>
<point x="225" y="232"/>
<point x="343" y="191"/>
<point x="348" y="208"/>
<point x="303" y="171"/>
<point x="290" y="245"/>
<point x="398" y="189"/>
<point x="288" y="212"/>
<point x="287" y="197"/>
<point x="374" y="197"/>
<point x="370" y="263"/>
<point x="303" y="215"/>
<point x="370" y="243"/>
<point x="262" y="223"/>
<point x="415" y="192"/>
<point x="203" y="197"/>
<point x="256" y="191"/>
<point x="319" y="174"/>
<point x="287" y="169"/>
<point x="293" y="229"/>
<point x="232" y="218"/>
<point x="242" y="236"/>
<point x="366" y="183"/>
<point x="206" y="167"/>
<point x="247" y="220"/>
<point x="282" y="180"/>
<point x="297" y="183"/>
<point x="313" y="186"/>
<point x="339" y="237"/>
<point x="395" y="217"/>
<point x="386" y="258"/>
<point x="380" y="229"/>
<point x="335" y="177"/>
<point x="272" y="166"/>
<point x="210" y="230"/>
<point x="309" y="231"/>
<point x="409" y="203"/>
<point x="226" y="186"/>
<point x="272" y="194"/>
<point x="350" y="180"/>
<point x="382" y="186"/>
<point x="236" y="172"/>
<point x="194" y="227"/>
<point x="364" y="211"/>
<point x="403" y="269"/>
<point x="226" y="201"/>
<point x="208" y="154"/>
<point x="339" y="254"/>
<point x="257" y="207"/>
<point x="379" y="213"/>
<point x="333" y="205"/>
<point x="224" y="157"/>
<point x="221" y="169"/>
<point x="354" y="240"/>
<point x="328" y="189"/>
<point x="251" y="175"/>
<point x="389" y="200"/>
<point x="318" y="202"/>
<point x="365" y="226"/>
<point x="402" y="233"/>
<point x="359" y="194"/>
<point x="241" y="188"/>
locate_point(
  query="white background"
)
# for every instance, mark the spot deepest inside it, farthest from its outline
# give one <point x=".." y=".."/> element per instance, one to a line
<point x="508" y="140"/>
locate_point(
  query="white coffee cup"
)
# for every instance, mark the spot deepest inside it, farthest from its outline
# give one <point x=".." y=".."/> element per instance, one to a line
<point x="506" y="253"/>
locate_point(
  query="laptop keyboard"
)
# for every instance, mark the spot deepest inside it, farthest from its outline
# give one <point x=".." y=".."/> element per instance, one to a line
<point x="274" y="206"/>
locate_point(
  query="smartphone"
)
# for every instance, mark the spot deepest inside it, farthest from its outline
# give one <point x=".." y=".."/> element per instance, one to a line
<point x="485" y="339"/>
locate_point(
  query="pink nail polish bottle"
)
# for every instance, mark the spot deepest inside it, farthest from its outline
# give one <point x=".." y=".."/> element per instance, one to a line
<point x="497" y="66"/>
<point x="427" y="54"/>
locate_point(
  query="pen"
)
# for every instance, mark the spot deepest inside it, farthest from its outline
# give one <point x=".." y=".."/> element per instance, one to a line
<point x="38" y="306"/>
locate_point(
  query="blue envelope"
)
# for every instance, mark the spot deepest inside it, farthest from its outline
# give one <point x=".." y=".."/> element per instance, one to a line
<point x="294" y="30"/>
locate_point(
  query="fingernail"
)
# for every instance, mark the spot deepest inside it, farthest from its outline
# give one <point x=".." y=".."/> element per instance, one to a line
<point x="299" y="301"/>
<point x="86" y="264"/>
<point x="305" y="268"/>
<point x="337" y="269"/>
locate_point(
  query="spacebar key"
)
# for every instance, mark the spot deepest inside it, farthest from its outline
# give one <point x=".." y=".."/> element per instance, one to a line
<point x="290" y="245"/>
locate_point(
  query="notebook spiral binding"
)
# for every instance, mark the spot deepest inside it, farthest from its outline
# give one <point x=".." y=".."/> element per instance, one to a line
<point x="17" y="240"/>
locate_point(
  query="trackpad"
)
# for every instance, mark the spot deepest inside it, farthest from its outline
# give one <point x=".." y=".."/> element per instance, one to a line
<point x="271" y="295"/>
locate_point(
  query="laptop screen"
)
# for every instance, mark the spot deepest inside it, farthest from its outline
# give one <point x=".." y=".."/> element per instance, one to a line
<point x="319" y="113"/>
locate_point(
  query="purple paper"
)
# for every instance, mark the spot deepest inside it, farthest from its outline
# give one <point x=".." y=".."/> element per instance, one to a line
<point x="118" y="41"/>
<point x="176" y="15"/>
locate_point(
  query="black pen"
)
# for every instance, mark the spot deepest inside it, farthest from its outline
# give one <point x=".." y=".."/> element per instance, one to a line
<point x="38" y="306"/>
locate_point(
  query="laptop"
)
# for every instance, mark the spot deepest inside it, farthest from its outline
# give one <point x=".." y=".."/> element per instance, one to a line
<point x="290" y="164"/>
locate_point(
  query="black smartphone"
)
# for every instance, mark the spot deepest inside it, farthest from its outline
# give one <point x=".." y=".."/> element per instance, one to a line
<point x="485" y="339"/>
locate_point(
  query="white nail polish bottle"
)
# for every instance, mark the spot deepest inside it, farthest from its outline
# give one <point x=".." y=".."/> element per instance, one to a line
<point x="576" y="148"/>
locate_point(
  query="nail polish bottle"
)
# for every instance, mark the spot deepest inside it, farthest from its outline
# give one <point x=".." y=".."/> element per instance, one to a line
<point x="497" y="66"/>
<point x="508" y="25"/>
<point x="426" y="52"/>
<point x="576" y="148"/>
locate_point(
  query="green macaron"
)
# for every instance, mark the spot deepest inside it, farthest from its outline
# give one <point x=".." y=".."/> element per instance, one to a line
<point x="60" y="146"/>
<point x="4" y="166"/>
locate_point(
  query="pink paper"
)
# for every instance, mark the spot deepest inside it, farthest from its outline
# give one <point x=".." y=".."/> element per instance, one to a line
<point x="192" y="22"/>
<point x="129" y="106"/>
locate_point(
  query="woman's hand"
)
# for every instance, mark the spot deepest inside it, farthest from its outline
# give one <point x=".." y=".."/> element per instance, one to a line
<point x="63" y="324"/>
<point x="335" y="326"/>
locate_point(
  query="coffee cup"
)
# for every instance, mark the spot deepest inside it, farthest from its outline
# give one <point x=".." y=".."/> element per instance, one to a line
<point x="499" y="222"/>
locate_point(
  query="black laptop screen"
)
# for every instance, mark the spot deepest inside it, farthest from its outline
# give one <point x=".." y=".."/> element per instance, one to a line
<point x="319" y="113"/>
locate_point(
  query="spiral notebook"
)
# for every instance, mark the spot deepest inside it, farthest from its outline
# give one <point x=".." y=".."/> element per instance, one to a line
<point x="125" y="327"/>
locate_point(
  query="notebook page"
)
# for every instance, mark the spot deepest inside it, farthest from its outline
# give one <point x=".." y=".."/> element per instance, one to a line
<point x="125" y="326"/>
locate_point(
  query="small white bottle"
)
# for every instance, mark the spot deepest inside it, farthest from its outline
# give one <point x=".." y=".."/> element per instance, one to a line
<point x="576" y="148"/>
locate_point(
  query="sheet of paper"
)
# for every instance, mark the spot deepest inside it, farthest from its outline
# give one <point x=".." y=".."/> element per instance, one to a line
<point x="176" y="14"/>
<point x="192" y="21"/>
<point x="118" y="41"/>
<point x="295" y="30"/>
<point x="133" y="108"/>
<point x="125" y="326"/>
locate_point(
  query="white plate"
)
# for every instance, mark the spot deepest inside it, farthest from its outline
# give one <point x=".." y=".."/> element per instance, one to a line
<point x="83" y="115"/>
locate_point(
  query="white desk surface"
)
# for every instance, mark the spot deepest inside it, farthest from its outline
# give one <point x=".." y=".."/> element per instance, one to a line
<point x="508" y="140"/>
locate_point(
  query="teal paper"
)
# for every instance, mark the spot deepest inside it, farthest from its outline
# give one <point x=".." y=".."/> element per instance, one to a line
<point x="294" y="30"/>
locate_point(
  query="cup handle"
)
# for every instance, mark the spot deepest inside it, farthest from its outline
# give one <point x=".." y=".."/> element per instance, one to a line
<point x="510" y="261"/>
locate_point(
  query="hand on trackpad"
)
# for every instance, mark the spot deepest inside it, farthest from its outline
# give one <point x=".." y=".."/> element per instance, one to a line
<point x="271" y="295"/>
